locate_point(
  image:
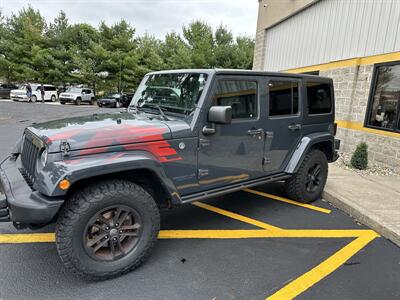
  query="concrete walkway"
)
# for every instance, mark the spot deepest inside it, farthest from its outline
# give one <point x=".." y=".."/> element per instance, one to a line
<point x="372" y="200"/>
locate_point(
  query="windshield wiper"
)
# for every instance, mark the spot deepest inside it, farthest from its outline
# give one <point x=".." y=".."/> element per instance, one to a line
<point x="160" y="110"/>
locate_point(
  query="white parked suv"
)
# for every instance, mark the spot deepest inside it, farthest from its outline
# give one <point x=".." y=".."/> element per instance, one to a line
<point x="50" y="93"/>
<point x="77" y="96"/>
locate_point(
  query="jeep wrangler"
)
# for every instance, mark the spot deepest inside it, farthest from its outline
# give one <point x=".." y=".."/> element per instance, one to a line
<point x="187" y="135"/>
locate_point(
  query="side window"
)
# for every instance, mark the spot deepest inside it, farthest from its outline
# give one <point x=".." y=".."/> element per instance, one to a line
<point x="240" y="94"/>
<point x="319" y="98"/>
<point x="283" y="98"/>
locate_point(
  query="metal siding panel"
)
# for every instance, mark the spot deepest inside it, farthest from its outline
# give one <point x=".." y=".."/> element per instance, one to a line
<point x="333" y="30"/>
<point x="394" y="15"/>
<point x="396" y="44"/>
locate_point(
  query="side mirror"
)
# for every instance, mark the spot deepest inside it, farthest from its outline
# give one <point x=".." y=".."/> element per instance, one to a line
<point x="220" y="114"/>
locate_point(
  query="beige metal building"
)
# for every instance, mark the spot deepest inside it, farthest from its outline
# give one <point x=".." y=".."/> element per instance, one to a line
<point x="355" y="42"/>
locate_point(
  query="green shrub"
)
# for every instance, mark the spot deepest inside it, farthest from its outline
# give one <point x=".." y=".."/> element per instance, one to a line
<point x="359" y="160"/>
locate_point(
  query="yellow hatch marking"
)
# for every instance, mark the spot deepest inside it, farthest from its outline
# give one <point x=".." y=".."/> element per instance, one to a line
<point x="278" y="198"/>
<point x="290" y="290"/>
<point x="307" y="280"/>
<point x="236" y="216"/>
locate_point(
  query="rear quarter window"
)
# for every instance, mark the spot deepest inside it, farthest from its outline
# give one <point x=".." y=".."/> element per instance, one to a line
<point x="319" y="98"/>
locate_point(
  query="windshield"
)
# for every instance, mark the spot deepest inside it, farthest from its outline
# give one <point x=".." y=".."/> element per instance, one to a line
<point x="173" y="92"/>
<point x="73" y="90"/>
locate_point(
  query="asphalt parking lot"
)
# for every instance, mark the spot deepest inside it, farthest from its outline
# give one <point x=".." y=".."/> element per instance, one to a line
<point x="253" y="244"/>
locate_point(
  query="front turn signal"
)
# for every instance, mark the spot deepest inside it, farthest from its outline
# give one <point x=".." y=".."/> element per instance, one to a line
<point x="64" y="184"/>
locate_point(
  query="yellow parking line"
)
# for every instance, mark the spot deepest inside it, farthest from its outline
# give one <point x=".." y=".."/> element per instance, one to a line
<point x="17" y="238"/>
<point x="278" y="198"/>
<point x="307" y="280"/>
<point x="261" y="233"/>
<point x="208" y="234"/>
<point x="236" y="216"/>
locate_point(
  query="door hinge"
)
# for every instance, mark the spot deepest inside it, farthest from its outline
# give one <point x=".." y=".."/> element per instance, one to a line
<point x="204" y="143"/>
<point x="202" y="172"/>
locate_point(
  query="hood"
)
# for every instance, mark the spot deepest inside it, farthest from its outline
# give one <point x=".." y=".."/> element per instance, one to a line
<point x="18" y="91"/>
<point x="100" y="130"/>
<point x="65" y="94"/>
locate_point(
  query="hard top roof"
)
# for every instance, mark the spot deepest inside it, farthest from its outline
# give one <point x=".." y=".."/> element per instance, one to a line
<point x="241" y="72"/>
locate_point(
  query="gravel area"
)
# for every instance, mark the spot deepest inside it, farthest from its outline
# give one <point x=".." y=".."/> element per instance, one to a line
<point x="373" y="169"/>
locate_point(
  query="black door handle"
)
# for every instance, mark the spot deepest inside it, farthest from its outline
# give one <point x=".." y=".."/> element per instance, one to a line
<point x="294" y="127"/>
<point x="255" y="131"/>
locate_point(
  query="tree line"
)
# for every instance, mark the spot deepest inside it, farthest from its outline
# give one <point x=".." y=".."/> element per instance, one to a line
<point x="109" y="57"/>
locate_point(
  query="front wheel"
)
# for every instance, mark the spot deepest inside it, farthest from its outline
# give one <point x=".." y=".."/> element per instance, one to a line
<point x="308" y="183"/>
<point x="78" y="101"/>
<point x="33" y="98"/>
<point x="107" y="229"/>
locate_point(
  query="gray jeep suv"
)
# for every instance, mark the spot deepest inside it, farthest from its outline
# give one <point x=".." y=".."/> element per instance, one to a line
<point x="187" y="135"/>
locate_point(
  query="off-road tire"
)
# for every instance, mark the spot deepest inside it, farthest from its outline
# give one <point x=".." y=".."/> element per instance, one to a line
<point x="85" y="204"/>
<point x="296" y="185"/>
<point x="78" y="101"/>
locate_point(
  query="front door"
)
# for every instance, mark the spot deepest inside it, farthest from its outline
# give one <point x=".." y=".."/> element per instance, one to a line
<point x="284" y="121"/>
<point x="234" y="152"/>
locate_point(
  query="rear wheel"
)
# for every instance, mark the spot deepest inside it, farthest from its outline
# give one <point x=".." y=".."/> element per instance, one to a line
<point x="309" y="181"/>
<point x="107" y="229"/>
<point x="92" y="101"/>
<point x="53" y="98"/>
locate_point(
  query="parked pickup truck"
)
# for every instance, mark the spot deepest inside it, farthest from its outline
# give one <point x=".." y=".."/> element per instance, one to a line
<point x="187" y="135"/>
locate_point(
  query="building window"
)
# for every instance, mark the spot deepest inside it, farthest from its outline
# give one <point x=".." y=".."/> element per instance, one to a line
<point x="319" y="98"/>
<point x="283" y="98"/>
<point x="241" y="95"/>
<point x="384" y="100"/>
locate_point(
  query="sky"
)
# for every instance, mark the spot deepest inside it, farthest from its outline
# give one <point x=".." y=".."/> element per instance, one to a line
<point x="155" y="17"/>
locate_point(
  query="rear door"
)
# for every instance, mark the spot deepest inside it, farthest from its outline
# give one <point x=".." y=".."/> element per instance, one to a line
<point x="283" y="126"/>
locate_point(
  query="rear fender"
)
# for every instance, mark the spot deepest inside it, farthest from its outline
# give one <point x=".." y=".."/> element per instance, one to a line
<point x="304" y="146"/>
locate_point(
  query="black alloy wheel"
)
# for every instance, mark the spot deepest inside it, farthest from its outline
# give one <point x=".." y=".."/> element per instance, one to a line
<point x="112" y="233"/>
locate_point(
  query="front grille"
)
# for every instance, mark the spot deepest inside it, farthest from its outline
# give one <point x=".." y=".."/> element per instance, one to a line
<point x="29" y="156"/>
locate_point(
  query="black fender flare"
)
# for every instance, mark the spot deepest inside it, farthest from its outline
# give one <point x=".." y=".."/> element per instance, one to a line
<point x="304" y="146"/>
<point x="90" y="166"/>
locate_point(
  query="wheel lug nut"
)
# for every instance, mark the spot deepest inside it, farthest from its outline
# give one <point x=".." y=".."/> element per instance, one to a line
<point x="106" y="237"/>
<point x="117" y="224"/>
<point x="114" y="239"/>
<point x="120" y="231"/>
<point x="107" y="228"/>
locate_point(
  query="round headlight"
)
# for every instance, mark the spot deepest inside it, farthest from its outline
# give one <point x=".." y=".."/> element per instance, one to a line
<point x="43" y="158"/>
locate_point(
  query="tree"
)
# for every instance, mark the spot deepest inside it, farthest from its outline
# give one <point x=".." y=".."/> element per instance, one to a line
<point x="175" y="52"/>
<point x="62" y="49"/>
<point x="224" y="48"/>
<point x="148" y="56"/>
<point x="118" y="39"/>
<point x="199" y="37"/>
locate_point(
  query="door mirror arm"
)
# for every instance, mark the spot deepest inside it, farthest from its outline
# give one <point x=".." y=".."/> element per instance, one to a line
<point x="208" y="130"/>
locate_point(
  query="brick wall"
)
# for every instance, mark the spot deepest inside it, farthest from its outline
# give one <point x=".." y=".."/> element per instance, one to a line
<point x="352" y="88"/>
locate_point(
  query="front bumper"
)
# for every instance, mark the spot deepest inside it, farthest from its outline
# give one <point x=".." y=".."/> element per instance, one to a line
<point x="21" y="205"/>
<point x="66" y="100"/>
